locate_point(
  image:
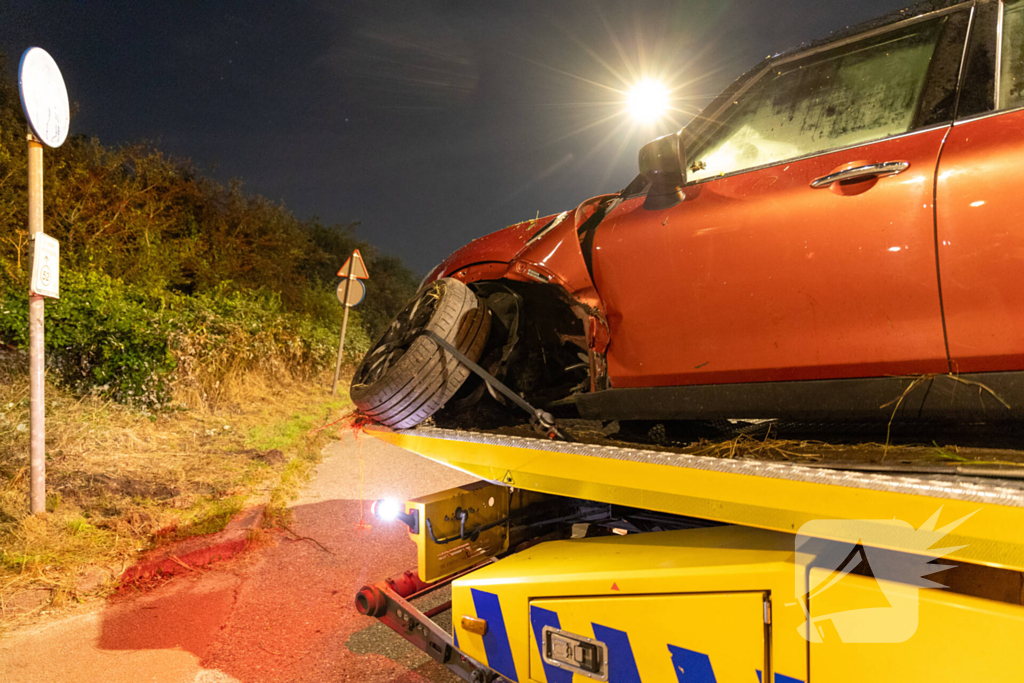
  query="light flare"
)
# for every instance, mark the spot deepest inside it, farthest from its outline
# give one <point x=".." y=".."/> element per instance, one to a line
<point x="649" y="90"/>
<point x="648" y="101"/>
<point x="387" y="509"/>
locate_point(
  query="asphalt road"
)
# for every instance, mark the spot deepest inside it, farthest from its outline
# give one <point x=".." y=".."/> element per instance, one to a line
<point x="282" y="612"/>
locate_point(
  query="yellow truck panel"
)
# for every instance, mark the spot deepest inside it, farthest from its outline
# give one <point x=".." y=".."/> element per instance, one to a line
<point x="936" y="635"/>
<point x="644" y="586"/>
<point x="689" y="637"/>
<point x="692" y="606"/>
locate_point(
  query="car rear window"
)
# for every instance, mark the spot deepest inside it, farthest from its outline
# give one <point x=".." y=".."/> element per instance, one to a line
<point x="845" y="96"/>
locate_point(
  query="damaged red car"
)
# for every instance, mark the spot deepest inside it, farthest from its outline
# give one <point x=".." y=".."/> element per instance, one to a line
<point x="841" y="227"/>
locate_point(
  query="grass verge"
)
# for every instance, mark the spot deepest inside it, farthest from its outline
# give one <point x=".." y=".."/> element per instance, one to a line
<point x="122" y="481"/>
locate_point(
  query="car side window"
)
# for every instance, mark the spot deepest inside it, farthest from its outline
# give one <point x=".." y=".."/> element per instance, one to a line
<point x="1011" y="57"/>
<point x="862" y="91"/>
<point x="994" y="76"/>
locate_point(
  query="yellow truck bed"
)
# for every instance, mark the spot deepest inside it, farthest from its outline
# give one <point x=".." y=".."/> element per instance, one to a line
<point x="780" y="496"/>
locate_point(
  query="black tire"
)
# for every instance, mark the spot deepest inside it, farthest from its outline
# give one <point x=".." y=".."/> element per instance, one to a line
<point x="405" y="377"/>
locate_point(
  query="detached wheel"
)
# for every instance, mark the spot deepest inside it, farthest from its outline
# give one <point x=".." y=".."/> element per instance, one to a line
<point x="405" y="377"/>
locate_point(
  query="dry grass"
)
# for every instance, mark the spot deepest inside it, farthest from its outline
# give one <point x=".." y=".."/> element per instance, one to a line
<point x="120" y="480"/>
<point x="767" y="448"/>
<point x="227" y="364"/>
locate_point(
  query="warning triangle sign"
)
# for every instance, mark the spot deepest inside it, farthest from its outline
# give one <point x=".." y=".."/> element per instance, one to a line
<point x="354" y="267"/>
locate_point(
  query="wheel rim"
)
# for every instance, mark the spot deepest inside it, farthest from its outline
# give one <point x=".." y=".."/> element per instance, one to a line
<point x="393" y="344"/>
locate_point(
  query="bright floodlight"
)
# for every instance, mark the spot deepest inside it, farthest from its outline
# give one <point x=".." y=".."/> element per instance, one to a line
<point x="647" y="101"/>
<point x="387" y="509"/>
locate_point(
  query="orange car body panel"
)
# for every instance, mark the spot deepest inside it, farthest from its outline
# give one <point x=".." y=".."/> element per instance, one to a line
<point x="558" y="258"/>
<point x="981" y="243"/>
<point x="758" y="277"/>
<point x="520" y="253"/>
<point x="496" y="248"/>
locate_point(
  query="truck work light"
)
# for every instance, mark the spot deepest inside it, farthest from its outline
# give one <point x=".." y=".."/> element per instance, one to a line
<point x="389" y="509"/>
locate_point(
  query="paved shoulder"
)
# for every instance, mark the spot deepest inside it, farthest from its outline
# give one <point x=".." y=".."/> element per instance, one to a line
<point x="284" y="612"/>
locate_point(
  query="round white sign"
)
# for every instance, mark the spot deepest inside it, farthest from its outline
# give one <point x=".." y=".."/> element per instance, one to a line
<point x="356" y="291"/>
<point x="44" y="97"/>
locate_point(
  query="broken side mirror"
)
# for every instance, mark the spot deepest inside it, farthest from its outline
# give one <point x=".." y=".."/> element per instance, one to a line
<point x="662" y="165"/>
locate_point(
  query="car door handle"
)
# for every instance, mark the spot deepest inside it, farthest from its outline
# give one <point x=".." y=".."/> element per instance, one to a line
<point x="886" y="168"/>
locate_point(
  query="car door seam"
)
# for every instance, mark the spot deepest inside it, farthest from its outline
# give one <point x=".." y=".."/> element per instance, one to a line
<point x="935" y="230"/>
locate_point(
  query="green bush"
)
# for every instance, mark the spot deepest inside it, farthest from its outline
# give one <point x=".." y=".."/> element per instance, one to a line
<point x="100" y="336"/>
<point x="137" y="347"/>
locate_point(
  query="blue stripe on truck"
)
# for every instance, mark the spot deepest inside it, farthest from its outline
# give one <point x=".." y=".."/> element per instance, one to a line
<point x="496" y="645"/>
<point x="621" y="663"/>
<point x="691" y="666"/>
<point x="779" y="678"/>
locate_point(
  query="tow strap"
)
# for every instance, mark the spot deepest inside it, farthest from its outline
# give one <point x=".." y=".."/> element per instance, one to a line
<point x="540" y="418"/>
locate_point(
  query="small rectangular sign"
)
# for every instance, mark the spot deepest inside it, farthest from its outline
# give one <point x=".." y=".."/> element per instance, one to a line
<point x="45" y="266"/>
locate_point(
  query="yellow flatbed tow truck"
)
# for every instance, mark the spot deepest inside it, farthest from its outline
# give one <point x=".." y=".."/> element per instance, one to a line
<point x="573" y="562"/>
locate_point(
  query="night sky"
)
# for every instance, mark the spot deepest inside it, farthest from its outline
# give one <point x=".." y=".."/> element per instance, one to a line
<point x="430" y="122"/>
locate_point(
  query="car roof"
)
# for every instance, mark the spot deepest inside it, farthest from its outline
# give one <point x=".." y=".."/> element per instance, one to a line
<point x="910" y="12"/>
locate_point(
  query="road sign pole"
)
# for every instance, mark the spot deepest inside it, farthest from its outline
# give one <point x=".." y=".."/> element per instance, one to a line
<point x="350" y="293"/>
<point x="344" y="327"/>
<point x="44" y="99"/>
<point x="36" y="358"/>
